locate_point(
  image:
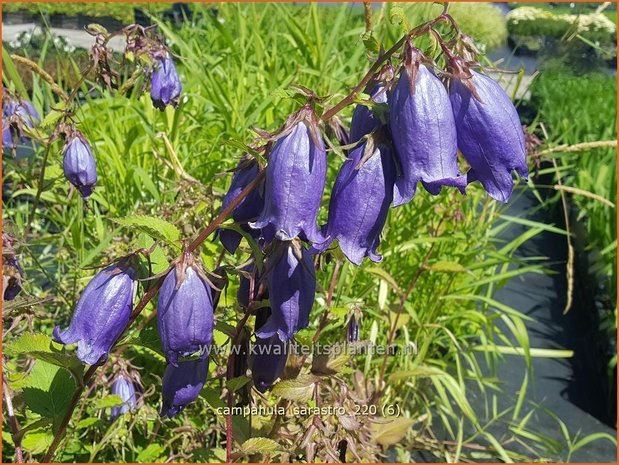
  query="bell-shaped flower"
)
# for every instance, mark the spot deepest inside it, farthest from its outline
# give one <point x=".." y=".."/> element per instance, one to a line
<point x="268" y="361"/>
<point x="182" y="385"/>
<point x="101" y="314"/>
<point x="295" y="179"/>
<point x="424" y="135"/>
<point x="490" y="135"/>
<point x="365" y="120"/>
<point x="165" y="85"/>
<point x="248" y="209"/>
<point x="15" y="115"/>
<point x="124" y="388"/>
<point x="185" y="311"/>
<point x="79" y="165"/>
<point x="360" y="200"/>
<point x="292" y="286"/>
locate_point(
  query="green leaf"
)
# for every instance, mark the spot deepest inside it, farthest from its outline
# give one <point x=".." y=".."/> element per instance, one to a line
<point x="37" y="441"/>
<point x="48" y="390"/>
<point x="447" y="267"/>
<point x="150" y="454"/>
<point x="327" y="365"/>
<point x="109" y="401"/>
<point x="41" y="347"/>
<point x="370" y="42"/>
<point x="390" y="431"/>
<point x="154" y="227"/>
<point x="237" y="383"/>
<point x="299" y="389"/>
<point x="259" y="446"/>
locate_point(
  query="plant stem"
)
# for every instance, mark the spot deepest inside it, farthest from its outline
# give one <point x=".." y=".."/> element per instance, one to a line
<point x="367" y="13"/>
<point x="19" y="456"/>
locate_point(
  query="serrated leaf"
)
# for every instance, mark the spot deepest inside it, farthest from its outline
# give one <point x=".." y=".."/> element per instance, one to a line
<point x="390" y="431"/>
<point x="48" y="390"/>
<point x="447" y="267"/>
<point x="259" y="446"/>
<point x="299" y="389"/>
<point x="37" y="441"/>
<point x="154" y="227"/>
<point x="212" y="398"/>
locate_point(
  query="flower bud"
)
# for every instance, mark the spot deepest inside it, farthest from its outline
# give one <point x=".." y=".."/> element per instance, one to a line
<point x="79" y="165"/>
<point x="364" y="120"/>
<point x="490" y="135"/>
<point x="101" y="314"/>
<point x="360" y="202"/>
<point x="245" y="283"/>
<point x="249" y="208"/>
<point x="182" y="385"/>
<point x="185" y="312"/>
<point x="424" y="135"/>
<point x="295" y="179"/>
<point x="12" y="272"/>
<point x="292" y="286"/>
<point x="268" y="361"/>
<point x="165" y="85"/>
<point x="124" y="388"/>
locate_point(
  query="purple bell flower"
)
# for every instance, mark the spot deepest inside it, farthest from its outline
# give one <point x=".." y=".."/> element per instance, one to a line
<point x="101" y="314"/>
<point x="124" y="388"/>
<point x="14" y="115"/>
<point x="182" y="385"/>
<point x="360" y="202"/>
<point x="364" y="120"/>
<point x="424" y="135"/>
<point x="490" y="135"/>
<point x="249" y="208"/>
<point x="79" y="165"/>
<point x="165" y="86"/>
<point x="295" y="179"/>
<point x="185" y="312"/>
<point x="292" y="286"/>
<point x="268" y="361"/>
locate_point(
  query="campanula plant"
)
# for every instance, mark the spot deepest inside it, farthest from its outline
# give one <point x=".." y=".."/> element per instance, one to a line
<point x="79" y="164"/>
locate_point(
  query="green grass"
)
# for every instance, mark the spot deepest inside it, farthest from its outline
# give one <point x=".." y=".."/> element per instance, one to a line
<point x="235" y="70"/>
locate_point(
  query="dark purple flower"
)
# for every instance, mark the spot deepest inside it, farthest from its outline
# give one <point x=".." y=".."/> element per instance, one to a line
<point x="12" y="275"/>
<point x="352" y="329"/>
<point x="124" y="388"/>
<point x="360" y="202"/>
<point x="292" y="286"/>
<point x="79" y="165"/>
<point x="101" y="314"/>
<point x="249" y="208"/>
<point x="295" y="179"/>
<point x="182" y="385"/>
<point x="185" y="312"/>
<point x="165" y="85"/>
<point x="268" y="361"/>
<point x="490" y="135"/>
<point x="364" y="120"/>
<point x="424" y="136"/>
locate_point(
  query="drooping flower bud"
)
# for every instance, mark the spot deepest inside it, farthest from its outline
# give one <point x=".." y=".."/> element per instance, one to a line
<point x="490" y="135"/>
<point x="365" y="120"/>
<point x="249" y="208"/>
<point x="185" y="311"/>
<point x="124" y="388"/>
<point x="292" y="286"/>
<point x="424" y="134"/>
<point x="295" y="179"/>
<point x="360" y="201"/>
<point x="352" y="329"/>
<point x="101" y="314"/>
<point x="165" y="85"/>
<point x="268" y="361"/>
<point x="182" y="385"/>
<point x="12" y="272"/>
<point x="79" y="165"/>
